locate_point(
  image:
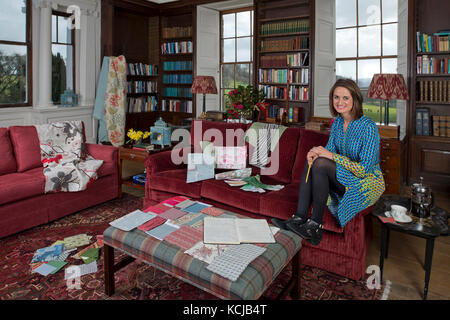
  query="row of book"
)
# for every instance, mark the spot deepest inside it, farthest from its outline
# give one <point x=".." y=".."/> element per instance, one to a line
<point x="299" y="93"/>
<point x="300" y="59"/>
<point x="438" y="42"/>
<point x="176" y="47"/>
<point x="176" y="106"/>
<point x="427" y="125"/>
<point x="176" y="32"/>
<point x="432" y="65"/>
<point x="433" y="91"/>
<point x="142" y="104"/>
<point x="291" y="114"/>
<point x="141" y="69"/>
<point x="177" y="92"/>
<point x="142" y="87"/>
<point x="177" y="78"/>
<point x="177" y="65"/>
<point x="284" y="76"/>
<point x="296" y="43"/>
<point x="285" y="27"/>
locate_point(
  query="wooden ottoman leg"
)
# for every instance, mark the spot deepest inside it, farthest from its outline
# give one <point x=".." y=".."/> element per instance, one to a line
<point x="108" y="257"/>
<point x="297" y="275"/>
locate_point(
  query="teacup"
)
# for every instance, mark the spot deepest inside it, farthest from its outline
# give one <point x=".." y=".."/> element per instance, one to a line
<point x="398" y="212"/>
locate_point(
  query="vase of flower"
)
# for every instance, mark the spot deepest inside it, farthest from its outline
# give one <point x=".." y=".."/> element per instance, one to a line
<point x="242" y="102"/>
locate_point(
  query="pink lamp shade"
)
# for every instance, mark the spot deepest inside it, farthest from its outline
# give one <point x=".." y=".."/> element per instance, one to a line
<point x="204" y="84"/>
<point x="388" y="86"/>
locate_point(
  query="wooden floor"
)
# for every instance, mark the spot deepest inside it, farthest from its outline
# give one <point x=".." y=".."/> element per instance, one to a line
<point x="404" y="265"/>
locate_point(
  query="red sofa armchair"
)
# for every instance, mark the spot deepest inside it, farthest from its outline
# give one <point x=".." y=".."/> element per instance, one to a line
<point x="342" y="250"/>
<point x="23" y="203"/>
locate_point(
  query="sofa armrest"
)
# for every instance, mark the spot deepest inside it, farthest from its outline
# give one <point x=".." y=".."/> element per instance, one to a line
<point x="162" y="161"/>
<point x="102" y="152"/>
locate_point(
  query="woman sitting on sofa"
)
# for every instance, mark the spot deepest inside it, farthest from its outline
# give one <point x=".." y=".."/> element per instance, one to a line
<point x="347" y="169"/>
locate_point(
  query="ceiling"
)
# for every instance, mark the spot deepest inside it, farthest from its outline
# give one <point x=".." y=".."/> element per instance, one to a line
<point x="161" y="1"/>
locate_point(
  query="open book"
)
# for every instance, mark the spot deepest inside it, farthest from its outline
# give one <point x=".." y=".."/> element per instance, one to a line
<point x="218" y="230"/>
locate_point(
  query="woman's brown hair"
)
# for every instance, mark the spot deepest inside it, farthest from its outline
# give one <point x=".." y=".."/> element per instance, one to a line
<point x="350" y="85"/>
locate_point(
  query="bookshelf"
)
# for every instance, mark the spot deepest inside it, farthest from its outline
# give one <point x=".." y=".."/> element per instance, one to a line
<point x="177" y="63"/>
<point x="284" y="44"/>
<point x="142" y="88"/>
<point x="429" y="116"/>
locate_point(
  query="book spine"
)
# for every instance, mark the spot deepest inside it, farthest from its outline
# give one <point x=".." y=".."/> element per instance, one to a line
<point x="419" y="127"/>
<point x="442" y="126"/>
<point x="426" y="122"/>
<point x="436" y="126"/>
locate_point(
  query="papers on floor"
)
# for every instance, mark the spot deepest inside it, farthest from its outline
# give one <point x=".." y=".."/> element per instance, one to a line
<point x="132" y="220"/>
<point x="47" y="253"/>
<point x="234" y="260"/>
<point x="74" y="271"/>
<point x="236" y="231"/>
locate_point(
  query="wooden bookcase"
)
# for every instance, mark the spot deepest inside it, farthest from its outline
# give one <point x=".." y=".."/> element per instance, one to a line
<point x="429" y="156"/>
<point x="285" y="28"/>
<point x="177" y="47"/>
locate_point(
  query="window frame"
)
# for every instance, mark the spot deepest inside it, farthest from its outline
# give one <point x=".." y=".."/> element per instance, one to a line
<point x="29" y="46"/>
<point x="380" y="57"/>
<point x="252" y="45"/>
<point x="72" y="37"/>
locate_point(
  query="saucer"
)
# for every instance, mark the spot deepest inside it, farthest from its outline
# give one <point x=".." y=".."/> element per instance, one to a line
<point x="404" y="219"/>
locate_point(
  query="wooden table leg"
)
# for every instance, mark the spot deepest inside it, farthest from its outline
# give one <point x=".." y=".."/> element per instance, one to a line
<point x="428" y="259"/>
<point x="297" y="274"/>
<point x="108" y="257"/>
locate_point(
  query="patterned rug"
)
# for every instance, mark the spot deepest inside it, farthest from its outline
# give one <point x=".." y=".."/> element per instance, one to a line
<point x="137" y="281"/>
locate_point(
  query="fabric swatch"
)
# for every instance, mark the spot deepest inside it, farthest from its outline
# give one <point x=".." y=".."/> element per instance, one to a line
<point x="196" y="207"/>
<point x="153" y="223"/>
<point x="206" y="252"/>
<point x="172" y="214"/>
<point x="162" y="231"/>
<point x="212" y="211"/>
<point x="155" y="209"/>
<point x="185" y="237"/>
<point x="234" y="260"/>
<point x="184" y="204"/>
<point x="189" y="219"/>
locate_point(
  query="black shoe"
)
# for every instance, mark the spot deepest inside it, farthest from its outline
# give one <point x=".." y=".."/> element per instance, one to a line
<point x="311" y="231"/>
<point x="282" y="224"/>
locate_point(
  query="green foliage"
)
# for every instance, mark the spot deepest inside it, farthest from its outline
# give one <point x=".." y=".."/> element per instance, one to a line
<point x="58" y="77"/>
<point x="13" y="78"/>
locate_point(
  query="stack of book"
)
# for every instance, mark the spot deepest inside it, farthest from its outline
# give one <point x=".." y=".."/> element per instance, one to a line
<point x="441" y="126"/>
<point x="439" y="42"/>
<point x="433" y="91"/>
<point x="176" y="106"/>
<point x="178" y="78"/>
<point x="177" y="92"/>
<point x="296" y="43"/>
<point x="176" y="47"/>
<point x="141" y="69"/>
<point x="285" y="27"/>
<point x="423" y="122"/>
<point x="433" y="65"/>
<point x="142" y="87"/>
<point x="177" y="65"/>
<point x="142" y="104"/>
<point x="176" y="32"/>
<point x="299" y="59"/>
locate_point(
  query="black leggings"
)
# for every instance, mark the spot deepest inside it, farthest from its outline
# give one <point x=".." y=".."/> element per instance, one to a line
<point x="322" y="179"/>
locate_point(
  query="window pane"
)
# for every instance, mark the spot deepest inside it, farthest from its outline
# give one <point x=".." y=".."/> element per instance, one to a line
<point x="390" y="10"/>
<point x="252" y="21"/>
<point x="390" y="39"/>
<point x="242" y="74"/>
<point x="228" y="76"/>
<point x="389" y="65"/>
<point x="366" y="70"/>
<point x="346" y="69"/>
<point x="368" y="12"/>
<point x="64" y="33"/>
<point x="13" y="74"/>
<point x="346" y="43"/>
<point x="229" y="54"/>
<point x="345" y="13"/>
<point x="228" y="25"/>
<point x="62" y="70"/>
<point x="244" y="49"/>
<point x="371" y="107"/>
<point x="243" y="23"/>
<point x="369" y="41"/>
<point x="13" y="20"/>
<point x="54" y="25"/>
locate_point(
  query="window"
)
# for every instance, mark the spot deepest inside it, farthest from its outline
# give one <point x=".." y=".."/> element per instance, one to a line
<point x="63" y="54"/>
<point x="366" y="43"/>
<point x="236" y="38"/>
<point x="15" y="53"/>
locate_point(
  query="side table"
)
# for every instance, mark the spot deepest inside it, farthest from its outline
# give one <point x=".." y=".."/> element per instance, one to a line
<point x="432" y="227"/>
<point x="136" y="155"/>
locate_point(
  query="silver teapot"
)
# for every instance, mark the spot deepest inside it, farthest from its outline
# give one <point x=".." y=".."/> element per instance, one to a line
<point x="422" y="199"/>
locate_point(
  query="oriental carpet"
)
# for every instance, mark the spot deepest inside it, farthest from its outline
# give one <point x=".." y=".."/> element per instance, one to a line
<point x="137" y="281"/>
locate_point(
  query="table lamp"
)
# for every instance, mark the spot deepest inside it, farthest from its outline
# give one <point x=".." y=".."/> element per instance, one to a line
<point x="387" y="86"/>
<point x="204" y="85"/>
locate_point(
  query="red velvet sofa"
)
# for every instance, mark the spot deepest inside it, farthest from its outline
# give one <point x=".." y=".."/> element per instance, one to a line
<point x="342" y="250"/>
<point x="23" y="203"/>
